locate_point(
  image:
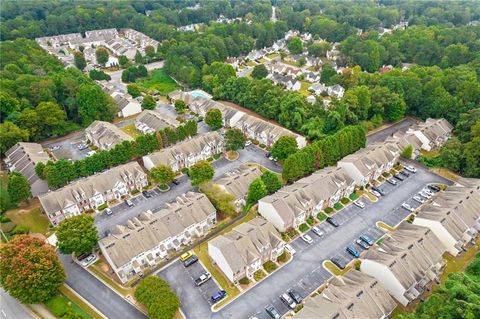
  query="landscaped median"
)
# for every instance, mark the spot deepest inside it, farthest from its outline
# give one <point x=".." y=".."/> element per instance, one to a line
<point x="333" y="269"/>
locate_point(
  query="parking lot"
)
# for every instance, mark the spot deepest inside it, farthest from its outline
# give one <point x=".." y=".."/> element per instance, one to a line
<point x="305" y="272"/>
<point x="68" y="147"/>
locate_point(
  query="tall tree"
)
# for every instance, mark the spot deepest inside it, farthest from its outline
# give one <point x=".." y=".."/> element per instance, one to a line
<point x="102" y="55"/>
<point x="79" y="59"/>
<point x="201" y="172"/>
<point x="30" y="270"/>
<point x="256" y="191"/>
<point x="77" y="235"/>
<point x="18" y="188"/>
<point x="158" y="297"/>
<point x="180" y="106"/>
<point x="271" y="181"/>
<point x="295" y="45"/>
<point x="163" y="174"/>
<point x="259" y="72"/>
<point x="283" y="147"/>
<point x="10" y="134"/>
<point x="94" y="104"/>
<point x="234" y="140"/>
<point x="213" y="118"/>
<point x="148" y="102"/>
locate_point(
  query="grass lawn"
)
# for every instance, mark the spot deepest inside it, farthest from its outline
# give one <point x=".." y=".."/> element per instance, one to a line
<point x="289" y="62"/>
<point x="448" y="174"/>
<point x="160" y="81"/>
<point x="33" y="219"/>
<point x="59" y="305"/>
<point x="328" y="265"/>
<point x="430" y="154"/>
<point x="304" y="88"/>
<point x="273" y="55"/>
<point x="96" y="269"/>
<point x="74" y="298"/>
<point x="131" y="130"/>
<point x="385" y="226"/>
<point x="251" y="63"/>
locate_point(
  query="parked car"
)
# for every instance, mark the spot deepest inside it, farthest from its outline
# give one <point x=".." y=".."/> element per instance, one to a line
<point x="247" y="143"/>
<point x="404" y="173"/>
<point x="190" y="261"/>
<point x="288" y="301"/>
<point x="362" y="244"/>
<point x="306" y="238"/>
<point x="427" y="191"/>
<point x="317" y="231"/>
<point x="408" y="207"/>
<point x="90" y="153"/>
<point x="203" y="279"/>
<point x="82" y="146"/>
<point x="295" y="295"/>
<point x="418" y="199"/>
<point x="272" y="312"/>
<point x="86" y="259"/>
<point x="392" y="181"/>
<point x="359" y="203"/>
<point x="379" y="190"/>
<point x="290" y="249"/>
<point x="367" y="239"/>
<point x="352" y="251"/>
<point x="411" y="169"/>
<point x="108" y="211"/>
<point x="129" y="203"/>
<point x="218" y="296"/>
<point x="146" y="194"/>
<point x="424" y="194"/>
<point x="332" y="221"/>
<point x="54" y="148"/>
<point x="176" y="181"/>
<point x="434" y="188"/>
<point x="267" y="155"/>
<point x="399" y="177"/>
<point x="185" y="256"/>
<point x="374" y="192"/>
<point x="338" y="262"/>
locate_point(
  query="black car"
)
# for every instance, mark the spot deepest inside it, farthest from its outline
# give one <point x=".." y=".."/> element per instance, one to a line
<point x="332" y="222"/>
<point x="381" y="191"/>
<point x="404" y="173"/>
<point x="272" y="312"/>
<point x="176" y="181"/>
<point x="146" y="194"/>
<point x="339" y="263"/>
<point x="295" y="295"/>
<point x="399" y="177"/>
<point x="434" y="188"/>
<point x="190" y="261"/>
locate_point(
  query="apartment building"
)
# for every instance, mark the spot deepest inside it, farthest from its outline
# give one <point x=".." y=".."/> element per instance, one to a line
<point x="293" y="204"/>
<point x="91" y="192"/>
<point x="105" y="135"/>
<point x="152" y="121"/>
<point x="242" y="251"/>
<point x="432" y="133"/>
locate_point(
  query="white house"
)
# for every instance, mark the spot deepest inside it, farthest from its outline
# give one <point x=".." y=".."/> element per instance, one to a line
<point x="105" y="135"/>
<point x="127" y="105"/>
<point x="336" y="90"/>
<point x="432" y="133"/>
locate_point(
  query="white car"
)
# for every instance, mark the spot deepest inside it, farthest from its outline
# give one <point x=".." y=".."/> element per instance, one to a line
<point x="290" y="249"/>
<point x="86" y="260"/>
<point x="247" y="143"/>
<point x="90" y="153"/>
<point x="82" y="146"/>
<point x="360" y="204"/>
<point x="317" y="231"/>
<point x="408" y="207"/>
<point x="424" y="194"/>
<point x="418" y="199"/>
<point x="373" y="192"/>
<point x="108" y="211"/>
<point x="54" y="148"/>
<point x="306" y="238"/>
<point x="410" y="168"/>
<point x="427" y="191"/>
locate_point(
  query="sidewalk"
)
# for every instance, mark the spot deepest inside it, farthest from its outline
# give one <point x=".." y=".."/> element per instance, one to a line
<point x="42" y="311"/>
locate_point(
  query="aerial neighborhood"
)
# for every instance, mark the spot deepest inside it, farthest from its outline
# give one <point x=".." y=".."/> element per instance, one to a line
<point x="239" y="159"/>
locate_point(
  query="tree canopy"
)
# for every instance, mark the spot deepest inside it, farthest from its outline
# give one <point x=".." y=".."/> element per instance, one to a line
<point x="283" y="147"/>
<point x="213" y="118"/>
<point x="256" y="191"/>
<point x="158" y="297"/>
<point x="234" y="140"/>
<point x="18" y="188"/>
<point x="163" y="174"/>
<point x="201" y="172"/>
<point x="77" y="235"/>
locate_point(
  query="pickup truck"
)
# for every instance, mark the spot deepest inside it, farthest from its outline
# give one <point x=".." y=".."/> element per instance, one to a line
<point x="203" y="279"/>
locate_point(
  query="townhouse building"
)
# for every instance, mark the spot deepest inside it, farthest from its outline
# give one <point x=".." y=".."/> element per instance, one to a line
<point x="152" y="121"/>
<point x="140" y="39"/>
<point x="93" y="191"/>
<point x="188" y="152"/>
<point x="293" y="204"/>
<point x="127" y="105"/>
<point x="433" y="133"/>
<point x="368" y="164"/>
<point x="242" y="251"/>
<point x="105" y="135"/>
<point x="237" y="182"/>
<point x="147" y="239"/>
<point x="351" y="296"/>
<point x="406" y="261"/>
<point x="22" y="158"/>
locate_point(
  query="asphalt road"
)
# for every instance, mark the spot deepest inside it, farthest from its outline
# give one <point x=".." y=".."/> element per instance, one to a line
<point x="305" y="272"/>
<point x="382" y="135"/>
<point x="10" y="308"/>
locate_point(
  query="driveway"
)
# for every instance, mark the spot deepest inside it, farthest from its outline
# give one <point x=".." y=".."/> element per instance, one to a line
<point x="305" y="272"/>
<point x="68" y="147"/>
<point x="382" y="135"/>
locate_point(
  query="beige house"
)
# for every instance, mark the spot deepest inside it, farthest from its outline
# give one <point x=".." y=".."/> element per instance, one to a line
<point x="186" y="153"/>
<point x="406" y="261"/>
<point x="293" y="204"/>
<point x="242" y="251"/>
<point x="151" y="121"/>
<point x="105" y="135"/>
<point x="354" y="295"/>
<point x="147" y="239"/>
<point x="432" y="133"/>
<point x="237" y="182"/>
<point x="93" y="191"/>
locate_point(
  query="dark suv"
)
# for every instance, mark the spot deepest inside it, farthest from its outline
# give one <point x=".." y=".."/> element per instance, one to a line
<point x="339" y="263"/>
<point x="190" y="261"/>
<point x="332" y="222"/>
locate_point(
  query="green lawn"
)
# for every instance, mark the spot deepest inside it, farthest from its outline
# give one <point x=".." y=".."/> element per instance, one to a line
<point x="59" y="305"/>
<point x="131" y="130"/>
<point x="333" y="269"/>
<point x="74" y="298"/>
<point x="304" y="88"/>
<point x="33" y="219"/>
<point x="160" y="81"/>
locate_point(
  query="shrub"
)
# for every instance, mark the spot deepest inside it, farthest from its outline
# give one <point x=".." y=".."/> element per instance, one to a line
<point x="298" y="308"/>
<point x="269" y="266"/>
<point x="89" y="211"/>
<point x="345" y="201"/>
<point x="163" y="187"/>
<point x="284" y="236"/>
<point x="210" y="159"/>
<point x="262" y="145"/>
<point x="283" y="257"/>
<point x="102" y="207"/>
<point x="217" y="156"/>
<point x="20" y="229"/>
<point x="385" y="174"/>
<point x="357" y="264"/>
<point x="244" y="281"/>
<point x="292" y="233"/>
<point x="310" y="220"/>
<point x="303" y="228"/>
<point x="255" y="142"/>
<point x="328" y="210"/>
<point x="135" y="191"/>
<point x="353" y="196"/>
<point x="4" y="219"/>
<point x="338" y="206"/>
<point x="259" y="275"/>
<point x="321" y="216"/>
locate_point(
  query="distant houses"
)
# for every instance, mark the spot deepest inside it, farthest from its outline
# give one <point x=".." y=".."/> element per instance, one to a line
<point x="105" y="135"/>
<point x="152" y="121"/>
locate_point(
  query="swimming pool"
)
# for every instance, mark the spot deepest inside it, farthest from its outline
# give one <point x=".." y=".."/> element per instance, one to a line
<point x="199" y="93"/>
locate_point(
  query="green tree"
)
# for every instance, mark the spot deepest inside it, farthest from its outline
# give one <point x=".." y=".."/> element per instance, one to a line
<point x="51" y="118"/>
<point x="407" y="152"/>
<point x="138" y="57"/>
<point x="30" y="270"/>
<point x="148" y="102"/>
<point x="213" y="118"/>
<point x="327" y="74"/>
<point x="134" y="90"/>
<point x="94" y="104"/>
<point x="256" y="191"/>
<point x="102" y="55"/>
<point x="77" y="235"/>
<point x="18" y="188"/>
<point x="163" y="174"/>
<point x="79" y="59"/>
<point x="145" y="144"/>
<point x="220" y="199"/>
<point x="123" y="61"/>
<point x="451" y="155"/>
<point x="180" y="106"/>
<point x="201" y="172"/>
<point x="150" y="51"/>
<point x="295" y="45"/>
<point x="319" y="50"/>
<point x="283" y="147"/>
<point x="234" y="140"/>
<point x="271" y="181"/>
<point x="158" y="297"/>
<point x="259" y="72"/>
<point x="10" y="134"/>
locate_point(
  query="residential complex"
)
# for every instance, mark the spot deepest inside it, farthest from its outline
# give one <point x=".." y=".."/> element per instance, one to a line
<point x="22" y="158"/>
<point x="127" y="105"/>
<point x="186" y="153"/>
<point x="105" y="135"/>
<point x="242" y="251"/>
<point x="147" y="239"/>
<point x="293" y="204"/>
<point x="152" y="121"/>
<point x="91" y="192"/>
